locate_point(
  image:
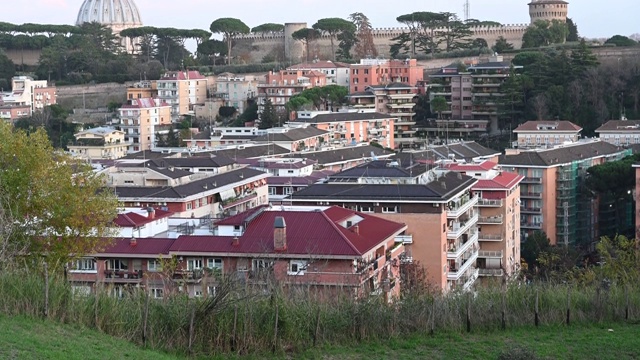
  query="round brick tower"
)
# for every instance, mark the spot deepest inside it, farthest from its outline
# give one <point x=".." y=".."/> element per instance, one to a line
<point x="548" y="10"/>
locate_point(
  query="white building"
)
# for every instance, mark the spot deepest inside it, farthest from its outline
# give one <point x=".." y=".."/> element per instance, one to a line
<point x="337" y="73"/>
<point x="235" y="90"/>
<point x="620" y="132"/>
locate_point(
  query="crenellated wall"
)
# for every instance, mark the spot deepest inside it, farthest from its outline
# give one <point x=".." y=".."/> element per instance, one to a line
<point x="254" y="47"/>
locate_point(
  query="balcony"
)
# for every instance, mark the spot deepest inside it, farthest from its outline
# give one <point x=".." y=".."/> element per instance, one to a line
<point x="531" y="209"/>
<point x="490" y="237"/>
<point x="241" y="199"/>
<point x="405" y="239"/>
<point x="456" y="272"/>
<point x="490" y="203"/>
<point x="490" y="272"/>
<point x="456" y="250"/>
<point x="469" y="279"/>
<point x="489" y="220"/>
<point x="123" y="276"/>
<point x="530" y="225"/>
<point x="456" y="209"/>
<point x="460" y="227"/>
<point x="189" y="276"/>
<point x="490" y="254"/>
<point x="532" y="180"/>
<point x="531" y="195"/>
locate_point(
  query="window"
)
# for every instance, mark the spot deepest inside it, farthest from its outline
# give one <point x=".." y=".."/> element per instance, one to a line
<point x="154" y="265"/>
<point x="214" y="263"/>
<point x="211" y="290"/>
<point x="194" y="264"/>
<point x="262" y="264"/>
<point x="297" y="267"/>
<point x="189" y="206"/>
<point x="288" y="190"/>
<point x="117" y="264"/>
<point x="157" y="293"/>
<point x="365" y="209"/>
<point x="84" y="264"/>
<point x="389" y="209"/>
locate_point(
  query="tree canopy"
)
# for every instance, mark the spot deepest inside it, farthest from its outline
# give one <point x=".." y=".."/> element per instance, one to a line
<point x="56" y="202"/>
<point x="230" y="28"/>
<point x="334" y="27"/>
<point x="619" y="40"/>
<point x="544" y="33"/>
<point x="319" y="98"/>
<point x="268" y="27"/>
<point x="306" y="36"/>
<point x="501" y="45"/>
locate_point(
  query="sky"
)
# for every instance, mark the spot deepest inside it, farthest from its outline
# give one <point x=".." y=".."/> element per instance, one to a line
<point x="595" y="18"/>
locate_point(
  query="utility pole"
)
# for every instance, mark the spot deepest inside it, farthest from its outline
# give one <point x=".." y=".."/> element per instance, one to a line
<point x="467" y="10"/>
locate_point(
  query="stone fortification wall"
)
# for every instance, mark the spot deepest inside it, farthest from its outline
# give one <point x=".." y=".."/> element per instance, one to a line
<point x="254" y="47"/>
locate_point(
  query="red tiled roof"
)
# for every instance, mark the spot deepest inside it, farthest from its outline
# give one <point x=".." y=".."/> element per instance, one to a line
<point x="484" y="166"/>
<point x="308" y="233"/>
<point x="183" y="75"/>
<point x="241" y="217"/>
<point x="561" y="125"/>
<point x="146" y="246"/>
<point x="132" y="219"/>
<point x="504" y="180"/>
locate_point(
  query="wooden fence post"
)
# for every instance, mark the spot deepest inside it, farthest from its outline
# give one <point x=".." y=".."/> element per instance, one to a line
<point x="46" y="290"/>
<point x="275" y="331"/>
<point x="191" y="330"/>
<point x="469" y="312"/>
<point x="145" y="318"/>
<point x="568" y="305"/>
<point x="537" y="318"/>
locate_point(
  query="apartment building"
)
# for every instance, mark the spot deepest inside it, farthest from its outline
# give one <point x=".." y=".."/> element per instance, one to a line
<point x="553" y="198"/>
<point x="546" y="134"/>
<point x="374" y="72"/>
<point x="143" y="90"/>
<point x="141" y="120"/>
<point x="337" y="73"/>
<point x="279" y="87"/>
<point x="472" y="94"/>
<point x="338" y="159"/>
<point x="100" y="143"/>
<point x="620" y="132"/>
<point x="27" y="93"/>
<point x="287" y="175"/>
<point x="351" y="126"/>
<point x="499" y="209"/>
<point x="12" y="113"/>
<point x="182" y="90"/>
<point x="328" y="251"/>
<point x="235" y="90"/>
<point x="438" y="208"/>
<point x="295" y="139"/>
<point x="396" y="100"/>
<point x="463" y="151"/>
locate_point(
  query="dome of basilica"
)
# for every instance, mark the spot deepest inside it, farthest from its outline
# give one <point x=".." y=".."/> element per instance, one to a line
<point x="114" y="13"/>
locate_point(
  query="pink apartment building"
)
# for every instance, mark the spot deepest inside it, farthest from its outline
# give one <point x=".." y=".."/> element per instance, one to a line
<point x="370" y="72"/>
<point x="281" y="86"/>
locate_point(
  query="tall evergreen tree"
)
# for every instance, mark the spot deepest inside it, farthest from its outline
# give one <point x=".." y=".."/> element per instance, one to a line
<point x="269" y="117"/>
<point x="364" y="46"/>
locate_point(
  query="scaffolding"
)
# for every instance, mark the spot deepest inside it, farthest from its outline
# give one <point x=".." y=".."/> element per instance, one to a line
<point x="567" y="183"/>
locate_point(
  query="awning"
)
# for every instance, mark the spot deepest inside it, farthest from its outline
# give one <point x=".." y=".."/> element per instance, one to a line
<point x="227" y="194"/>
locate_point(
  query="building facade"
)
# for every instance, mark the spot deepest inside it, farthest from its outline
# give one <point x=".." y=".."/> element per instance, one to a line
<point x="374" y="72"/>
<point x="141" y="120"/>
<point x="281" y="86"/>
<point x="27" y="92"/>
<point x="620" y="132"/>
<point x="235" y="90"/>
<point x="546" y="134"/>
<point x="100" y="143"/>
<point x="182" y="90"/>
<point x="337" y="73"/>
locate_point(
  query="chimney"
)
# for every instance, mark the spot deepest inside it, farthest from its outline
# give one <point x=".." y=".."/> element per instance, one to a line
<point x="133" y="241"/>
<point x="356" y="229"/>
<point x="279" y="234"/>
<point x="235" y="242"/>
<point x="151" y="213"/>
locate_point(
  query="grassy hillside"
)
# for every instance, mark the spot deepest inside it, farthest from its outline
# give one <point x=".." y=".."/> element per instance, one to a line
<point x="580" y="342"/>
<point x="23" y="338"/>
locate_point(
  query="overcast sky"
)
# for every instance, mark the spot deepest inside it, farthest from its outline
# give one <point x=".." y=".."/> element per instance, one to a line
<point x="595" y="18"/>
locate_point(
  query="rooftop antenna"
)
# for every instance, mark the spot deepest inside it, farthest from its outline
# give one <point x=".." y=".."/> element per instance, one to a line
<point x="467" y="10"/>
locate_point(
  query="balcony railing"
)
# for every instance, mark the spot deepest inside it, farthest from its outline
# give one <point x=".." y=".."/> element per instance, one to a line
<point x="490" y="237"/>
<point x="456" y="250"/>
<point x="490" y="203"/>
<point x="535" y="195"/>
<point x="456" y="273"/>
<point x="461" y="207"/>
<point x="532" y="180"/>
<point x="460" y="227"/>
<point x="405" y="239"/>
<point x="529" y="225"/>
<point x="490" y="272"/>
<point x="123" y="275"/>
<point x="490" y="219"/>
<point x="490" y="254"/>
<point x="531" y="209"/>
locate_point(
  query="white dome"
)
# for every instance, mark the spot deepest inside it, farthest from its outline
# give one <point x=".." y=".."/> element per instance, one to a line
<point x="110" y="12"/>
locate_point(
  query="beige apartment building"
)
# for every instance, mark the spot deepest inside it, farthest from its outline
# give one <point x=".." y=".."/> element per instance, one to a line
<point x="546" y="134"/>
<point x="620" y="132"/>
<point x="141" y="120"/>
<point x="27" y="92"/>
<point x="235" y="90"/>
<point x="182" y="90"/>
<point x="100" y="143"/>
<point x="498" y="205"/>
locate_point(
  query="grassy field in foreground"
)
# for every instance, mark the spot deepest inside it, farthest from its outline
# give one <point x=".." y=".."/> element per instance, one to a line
<point x="579" y="342"/>
<point x="23" y="338"/>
